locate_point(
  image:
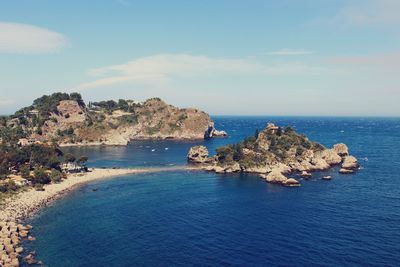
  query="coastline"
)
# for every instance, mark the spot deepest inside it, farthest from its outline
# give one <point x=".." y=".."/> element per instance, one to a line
<point x="27" y="203"/>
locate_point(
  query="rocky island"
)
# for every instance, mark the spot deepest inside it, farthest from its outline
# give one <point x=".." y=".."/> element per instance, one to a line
<point x="67" y="120"/>
<point x="275" y="153"/>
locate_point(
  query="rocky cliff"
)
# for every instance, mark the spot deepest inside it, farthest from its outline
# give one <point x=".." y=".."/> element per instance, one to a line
<point x="274" y="153"/>
<point x="67" y="120"/>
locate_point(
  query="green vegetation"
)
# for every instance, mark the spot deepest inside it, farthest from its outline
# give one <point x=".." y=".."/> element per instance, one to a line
<point x="42" y="160"/>
<point x="276" y="143"/>
<point x="40" y="176"/>
<point x="110" y="105"/>
<point x="55" y="176"/>
<point x="48" y="103"/>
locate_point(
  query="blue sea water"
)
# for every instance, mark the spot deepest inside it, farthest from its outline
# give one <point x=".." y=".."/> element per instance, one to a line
<point x="194" y="218"/>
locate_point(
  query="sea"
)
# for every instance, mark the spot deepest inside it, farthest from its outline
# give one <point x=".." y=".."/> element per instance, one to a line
<point x="196" y="218"/>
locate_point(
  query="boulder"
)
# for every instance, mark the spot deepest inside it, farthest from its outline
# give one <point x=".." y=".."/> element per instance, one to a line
<point x="305" y="174"/>
<point x="9" y="248"/>
<point x="346" y="171"/>
<point x="30" y="259"/>
<point x="219" y="169"/>
<point x="331" y="157"/>
<point x="291" y="182"/>
<point x="257" y="169"/>
<point x="23" y="233"/>
<point x="319" y="164"/>
<point x="198" y="154"/>
<point x="341" y="149"/>
<point x="233" y="168"/>
<point x="15" y="262"/>
<point x="350" y="163"/>
<point x="212" y="132"/>
<point x="217" y="133"/>
<point x="275" y="176"/>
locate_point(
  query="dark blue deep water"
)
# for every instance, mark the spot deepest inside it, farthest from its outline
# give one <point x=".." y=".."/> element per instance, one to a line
<point x="203" y="219"/>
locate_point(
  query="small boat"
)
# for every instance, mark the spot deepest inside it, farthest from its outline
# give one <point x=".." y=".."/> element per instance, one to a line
<point x="328" y="177"/>
<point x="166" y="148"/>
<point x="153" y="150"/>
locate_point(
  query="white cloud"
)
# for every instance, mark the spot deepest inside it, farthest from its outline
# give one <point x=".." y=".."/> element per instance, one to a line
<point x="24" y="38"/>
<point x="367" y="12"/>
<point x="162" y="67"/>
<point x="385" y="61"/>
<point x="290" y="52"/>
<point x="6" y="102"/>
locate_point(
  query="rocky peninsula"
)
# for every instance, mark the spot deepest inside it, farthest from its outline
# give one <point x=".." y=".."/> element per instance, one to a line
<point x="67" y="120"/>
<point x="275" y="153"/>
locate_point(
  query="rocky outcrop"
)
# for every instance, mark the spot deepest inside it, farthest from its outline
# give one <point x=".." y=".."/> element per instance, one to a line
<point x="275" y="176"/>
<point x="350" y="163"/>
<point x="212" y="132"/>
<point x="341" y="149"/>
<point x="331" y="156"/>
<point x="273" y="153"/>
<point x="346" y="171"/>
<point x="291" y="182"/>
<point x="198" y="154"/>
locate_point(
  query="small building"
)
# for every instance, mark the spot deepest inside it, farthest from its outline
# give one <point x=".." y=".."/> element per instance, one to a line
<point x="73" y="168"/>
<point x="18" y="180"/>
<point x="24" y="142"/>
<point x="27" y="142"/>
<point x="34" y="112"/>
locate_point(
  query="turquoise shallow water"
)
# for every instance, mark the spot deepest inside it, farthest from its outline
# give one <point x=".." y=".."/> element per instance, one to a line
<point x="191" y="218"/>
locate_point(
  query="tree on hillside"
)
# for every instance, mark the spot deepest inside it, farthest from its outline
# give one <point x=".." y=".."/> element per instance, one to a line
<point x="69" y="158"/>
<point x="82" y="161"/>
<point x="40" y="176"/>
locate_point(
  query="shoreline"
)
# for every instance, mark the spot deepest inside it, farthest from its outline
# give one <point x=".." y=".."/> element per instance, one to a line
<point x="27" y="203"/>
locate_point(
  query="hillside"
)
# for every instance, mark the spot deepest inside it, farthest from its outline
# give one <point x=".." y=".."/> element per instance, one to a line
<point x="273" y="153"/>
<point x="67" y="120"/>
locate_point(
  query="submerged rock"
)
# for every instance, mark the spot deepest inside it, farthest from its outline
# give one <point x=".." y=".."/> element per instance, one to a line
<point x="346" y="171"/>
<point x="305" y="174"/>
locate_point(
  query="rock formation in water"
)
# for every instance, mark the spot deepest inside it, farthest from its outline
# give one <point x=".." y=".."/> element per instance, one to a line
<point x="66" y="119"/>
<point x="274" y="153"/>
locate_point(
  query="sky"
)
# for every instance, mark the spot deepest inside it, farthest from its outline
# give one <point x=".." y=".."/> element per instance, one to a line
<point x="248" y="57"/>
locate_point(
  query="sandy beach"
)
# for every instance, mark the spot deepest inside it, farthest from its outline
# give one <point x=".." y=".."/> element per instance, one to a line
<point x="27" y="203"/>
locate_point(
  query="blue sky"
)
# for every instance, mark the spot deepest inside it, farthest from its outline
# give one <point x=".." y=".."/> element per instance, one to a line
<point x="281" y="57"/>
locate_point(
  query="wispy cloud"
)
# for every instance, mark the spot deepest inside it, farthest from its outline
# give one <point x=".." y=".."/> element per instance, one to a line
<point x="290" y="52"/>
<point x="6" y="102"/>
<point x="369" y="12"/>
<point x="389" y="60"/>
<point x="162" y="67"/>
<point x="24" y="38"/>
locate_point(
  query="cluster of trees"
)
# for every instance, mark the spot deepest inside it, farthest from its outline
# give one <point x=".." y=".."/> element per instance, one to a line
<point x="44" y="105"/>
<point x="13" y="157"/>
<point x="48" y="103"/>
<point x="111" y="105"/>
<point x="40" y="164"/>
